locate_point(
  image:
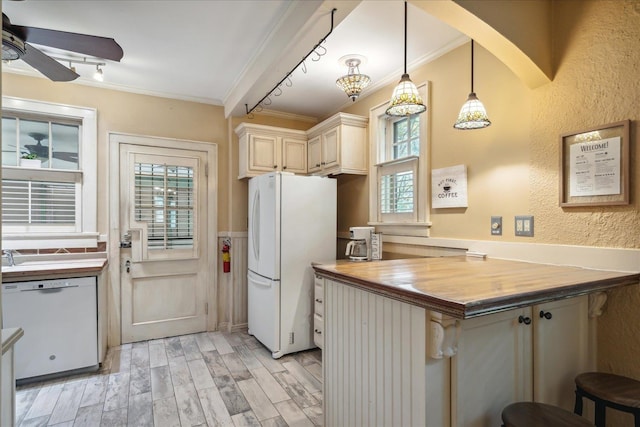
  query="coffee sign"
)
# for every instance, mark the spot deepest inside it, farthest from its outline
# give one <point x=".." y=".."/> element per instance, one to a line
<point x="449" y="187"/>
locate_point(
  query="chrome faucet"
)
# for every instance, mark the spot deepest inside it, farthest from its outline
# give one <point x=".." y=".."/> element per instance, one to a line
<point x="9" y="254"/>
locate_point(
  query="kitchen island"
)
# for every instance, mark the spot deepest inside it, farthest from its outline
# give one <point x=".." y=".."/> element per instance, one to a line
<point x="450" y="341"/>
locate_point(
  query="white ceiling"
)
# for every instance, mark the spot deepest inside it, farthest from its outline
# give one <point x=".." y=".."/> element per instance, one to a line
<point x="232" y="52"/>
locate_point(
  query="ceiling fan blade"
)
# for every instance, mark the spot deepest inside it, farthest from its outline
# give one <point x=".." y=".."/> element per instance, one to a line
<point x="66" y="156"/>
<point x="100" y="47"/>
<point x="47" y="65"/>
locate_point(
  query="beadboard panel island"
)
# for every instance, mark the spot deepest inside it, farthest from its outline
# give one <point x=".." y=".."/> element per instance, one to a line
<point x="450" y="341"/>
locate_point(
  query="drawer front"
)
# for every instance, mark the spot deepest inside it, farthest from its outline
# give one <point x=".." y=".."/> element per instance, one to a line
<point x="319" y="301"/>
<point x="318" y="331"/>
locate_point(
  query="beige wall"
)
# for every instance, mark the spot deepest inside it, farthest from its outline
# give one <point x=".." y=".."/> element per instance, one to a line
<point x="497" y="158"/>
<point x="134" y="114"/>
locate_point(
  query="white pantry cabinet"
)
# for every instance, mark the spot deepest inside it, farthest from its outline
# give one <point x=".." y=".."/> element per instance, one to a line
<point x="266" y="149"/>
<point x="533" y="353"/>
<point x="338" y="145"/>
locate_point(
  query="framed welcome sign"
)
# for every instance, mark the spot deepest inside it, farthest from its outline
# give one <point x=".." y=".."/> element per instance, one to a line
<point x="594" y="166"/>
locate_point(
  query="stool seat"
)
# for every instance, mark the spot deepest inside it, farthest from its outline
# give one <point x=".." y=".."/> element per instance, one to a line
<point x="608" y="390"/>
<point x="533" y="414"/>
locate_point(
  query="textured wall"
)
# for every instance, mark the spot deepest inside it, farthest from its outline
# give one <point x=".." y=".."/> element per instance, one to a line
<point x="596" y="47"/>
<point x="597" y="58"/>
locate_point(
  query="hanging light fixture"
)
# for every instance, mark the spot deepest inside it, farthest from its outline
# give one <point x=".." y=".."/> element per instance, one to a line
<point x="472" y="114"/>
<point x="353" y="82"/>
<point x="405" y="100"/>
<point x="98" y="75"/>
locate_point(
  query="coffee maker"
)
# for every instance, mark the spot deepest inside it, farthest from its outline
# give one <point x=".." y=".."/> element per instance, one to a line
<point x="359" y="247"/>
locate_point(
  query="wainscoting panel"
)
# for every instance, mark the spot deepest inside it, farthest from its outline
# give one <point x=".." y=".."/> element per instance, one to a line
<point x="375" y="347"/>
<point x="232" y="291"/>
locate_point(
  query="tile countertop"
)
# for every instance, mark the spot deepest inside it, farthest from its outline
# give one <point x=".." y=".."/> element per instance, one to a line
<point x="465" y="287"/>
<point x="53" y="268"/>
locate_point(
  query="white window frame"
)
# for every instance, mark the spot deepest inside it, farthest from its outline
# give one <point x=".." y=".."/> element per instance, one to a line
<point x="84" y="234"/>
<point x="416" y="224"/>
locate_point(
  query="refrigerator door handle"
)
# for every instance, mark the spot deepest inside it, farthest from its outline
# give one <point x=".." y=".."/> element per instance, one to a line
<point x="258" y="280"/>
<point x="255" y="223"/>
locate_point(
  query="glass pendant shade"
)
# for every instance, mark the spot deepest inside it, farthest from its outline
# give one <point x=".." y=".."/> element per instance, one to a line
<point x="353" y="82"/>
<point x="405" y="99"/>
<point x="472" y="114"/>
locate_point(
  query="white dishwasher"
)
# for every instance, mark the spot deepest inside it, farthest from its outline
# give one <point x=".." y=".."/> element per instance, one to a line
<point x="59" y="319"/>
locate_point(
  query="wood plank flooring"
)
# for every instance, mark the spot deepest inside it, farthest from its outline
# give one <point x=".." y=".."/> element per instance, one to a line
<point x="205" y="379"/>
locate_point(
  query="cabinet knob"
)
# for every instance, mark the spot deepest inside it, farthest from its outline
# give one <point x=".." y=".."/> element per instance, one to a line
<point x="318" y="300"/>
<point x="545" y="314"/>
<point x="284" y="167"/>
<point x="317" y="165"/>
<point x="275" y="166"/>
<point x="525" y="320"/>
<point x="317" y="331"/>
<point x="323" y="163"/>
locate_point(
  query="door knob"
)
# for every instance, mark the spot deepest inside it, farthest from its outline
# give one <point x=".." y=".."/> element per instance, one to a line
<point x="545" y="314"/>
<point x="524" y="319"/>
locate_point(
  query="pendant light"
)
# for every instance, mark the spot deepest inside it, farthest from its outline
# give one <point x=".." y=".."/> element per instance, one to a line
<point x="405" y="100"/>
<point x="472" y="114"/>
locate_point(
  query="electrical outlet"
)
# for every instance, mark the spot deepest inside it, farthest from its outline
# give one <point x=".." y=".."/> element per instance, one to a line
<point x="496" y="226"/>
<point x="524" y="225"/>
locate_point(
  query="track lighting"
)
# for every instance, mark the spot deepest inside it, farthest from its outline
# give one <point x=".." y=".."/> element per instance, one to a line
<point x="98" y="74"/>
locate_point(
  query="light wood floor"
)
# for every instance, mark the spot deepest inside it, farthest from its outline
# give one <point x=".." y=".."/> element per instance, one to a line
<point x="205" y="379"/>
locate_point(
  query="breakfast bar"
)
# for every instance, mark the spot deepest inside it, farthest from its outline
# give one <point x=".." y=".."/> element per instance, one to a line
<point x="451" y="341"/>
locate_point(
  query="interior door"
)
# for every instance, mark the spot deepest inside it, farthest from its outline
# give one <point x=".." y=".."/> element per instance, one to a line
<point x="163" y="212"/>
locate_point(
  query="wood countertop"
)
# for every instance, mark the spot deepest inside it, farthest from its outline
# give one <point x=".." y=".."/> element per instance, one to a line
<point x="465" y="287"/>
<point x="36" y="270"/>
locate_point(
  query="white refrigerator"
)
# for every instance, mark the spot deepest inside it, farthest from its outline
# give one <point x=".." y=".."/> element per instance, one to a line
<point x="292" y="222"/>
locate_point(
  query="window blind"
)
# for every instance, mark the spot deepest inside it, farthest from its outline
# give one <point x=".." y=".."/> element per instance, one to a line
<point x="38" y="202"/>
<point x="164" y="199"/>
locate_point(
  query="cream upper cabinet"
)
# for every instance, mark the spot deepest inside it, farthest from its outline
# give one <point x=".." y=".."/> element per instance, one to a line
<point x="266" y="148"/>
<point x="532" y="353"/>
<point x="338" y="145"/>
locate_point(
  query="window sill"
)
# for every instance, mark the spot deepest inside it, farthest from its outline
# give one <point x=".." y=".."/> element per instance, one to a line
<point x="49" y="240"/>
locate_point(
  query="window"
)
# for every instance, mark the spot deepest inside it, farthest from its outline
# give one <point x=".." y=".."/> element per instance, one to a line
<point x="51" y="203"/>
<point x="399" y="164"/>
<point x="164" y="200"/>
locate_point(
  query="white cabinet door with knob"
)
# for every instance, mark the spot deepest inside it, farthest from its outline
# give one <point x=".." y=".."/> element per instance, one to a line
<point x="533" y="353"/>
<point x="338" y="145"/>
<point x="264" y="149"/>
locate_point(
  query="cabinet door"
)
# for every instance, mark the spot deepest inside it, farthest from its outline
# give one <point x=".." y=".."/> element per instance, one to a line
<point x="561" y="349"/>
<point x="331" y="148"/>
<point x="492" y="369"/>
<point x="314" y="153"/>
<point x="263" y="153"/>
<point x="294" y="155"/>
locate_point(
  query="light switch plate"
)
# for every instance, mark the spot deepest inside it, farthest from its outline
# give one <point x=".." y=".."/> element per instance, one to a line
<point x="496" y="226"/>
<point x="524" y="225"/>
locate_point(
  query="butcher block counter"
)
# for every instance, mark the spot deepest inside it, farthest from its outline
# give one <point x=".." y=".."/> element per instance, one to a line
<point x="465" y="287"/>
<point x="53" y="269"/>
<point x="451" y="341"/>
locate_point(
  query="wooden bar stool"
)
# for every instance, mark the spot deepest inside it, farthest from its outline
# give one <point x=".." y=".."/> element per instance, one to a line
<point x="533" y="414"/>
<point x="610" y="390"/>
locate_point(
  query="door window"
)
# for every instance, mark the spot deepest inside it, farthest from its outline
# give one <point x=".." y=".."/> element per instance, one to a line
<point x="164" y="200"/>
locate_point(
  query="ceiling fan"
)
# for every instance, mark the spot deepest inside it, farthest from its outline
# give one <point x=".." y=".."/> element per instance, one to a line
<point x="42" y="151"/>
<point x="16" y="41"/>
